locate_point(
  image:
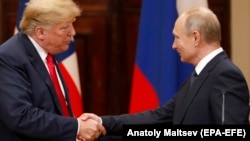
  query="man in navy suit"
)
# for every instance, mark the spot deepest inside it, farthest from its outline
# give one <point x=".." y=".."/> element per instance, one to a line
<point x="219" y="93"/>
<point x="30" y="109"/>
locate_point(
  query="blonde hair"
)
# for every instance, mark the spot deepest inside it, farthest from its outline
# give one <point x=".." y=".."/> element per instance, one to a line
<point x="205" y="21"/>
<point x="47" y="13"/>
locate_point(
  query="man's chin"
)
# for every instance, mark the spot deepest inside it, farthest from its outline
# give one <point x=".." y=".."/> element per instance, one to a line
<point x="63" y="49"/>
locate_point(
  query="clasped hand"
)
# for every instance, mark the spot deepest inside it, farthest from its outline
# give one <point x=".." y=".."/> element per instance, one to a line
<point x="90" y="127"/>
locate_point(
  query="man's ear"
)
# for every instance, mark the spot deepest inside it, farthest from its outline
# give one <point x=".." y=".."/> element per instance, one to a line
<point x="196" y="38"/>
<point x="40" y="33"/>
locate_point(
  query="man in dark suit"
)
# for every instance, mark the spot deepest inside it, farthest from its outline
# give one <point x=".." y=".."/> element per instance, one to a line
<point x="29" y="105"/>
<point x="219" y="92"/>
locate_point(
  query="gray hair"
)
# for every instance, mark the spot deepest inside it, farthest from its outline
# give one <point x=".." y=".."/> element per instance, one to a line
<point x="205" y="21"/>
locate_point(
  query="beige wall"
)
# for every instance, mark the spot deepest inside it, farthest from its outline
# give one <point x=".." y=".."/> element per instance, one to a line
<point x="240" y="35"/>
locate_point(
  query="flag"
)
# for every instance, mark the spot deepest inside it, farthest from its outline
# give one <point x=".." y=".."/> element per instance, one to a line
<point x="68" y="65"/>
<point x="158" y="71"/>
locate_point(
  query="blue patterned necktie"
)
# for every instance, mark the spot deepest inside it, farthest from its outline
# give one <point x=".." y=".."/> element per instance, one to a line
<point x="193" y="78"/>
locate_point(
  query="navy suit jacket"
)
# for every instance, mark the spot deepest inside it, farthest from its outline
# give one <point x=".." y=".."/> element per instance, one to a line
<point x="29" y="107"/>
<point x="219" y="95"/>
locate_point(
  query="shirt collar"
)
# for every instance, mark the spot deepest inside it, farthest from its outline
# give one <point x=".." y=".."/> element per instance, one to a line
<point x="200" y="66"/>
<point x="42" y="53"/>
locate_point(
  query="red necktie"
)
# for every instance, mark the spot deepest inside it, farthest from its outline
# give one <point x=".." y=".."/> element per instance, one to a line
<point x="53" y="76"/>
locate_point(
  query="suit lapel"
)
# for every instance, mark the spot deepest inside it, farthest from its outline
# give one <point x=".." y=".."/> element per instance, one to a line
<point x="187" y="96"/>
<point x="39" y="66"/>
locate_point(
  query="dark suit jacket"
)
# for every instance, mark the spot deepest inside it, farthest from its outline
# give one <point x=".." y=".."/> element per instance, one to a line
<point x="29" y="107"/>
<point x="219" y="83"/>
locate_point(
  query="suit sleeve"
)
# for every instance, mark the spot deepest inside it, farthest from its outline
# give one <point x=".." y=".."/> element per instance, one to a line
<point x="162" y="114"/>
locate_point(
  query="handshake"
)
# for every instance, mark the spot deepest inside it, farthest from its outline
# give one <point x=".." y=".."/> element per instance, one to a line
<point x="90" y="127"/>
